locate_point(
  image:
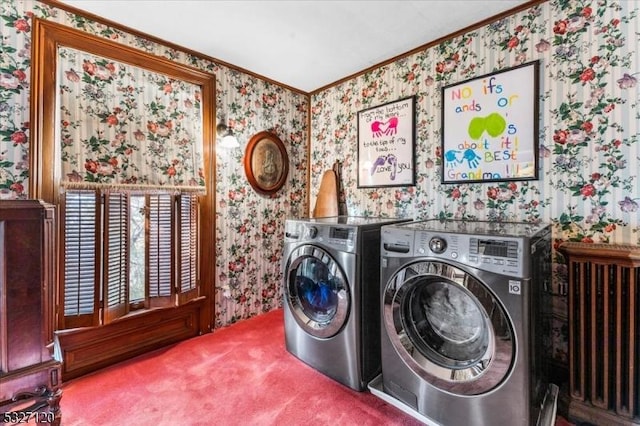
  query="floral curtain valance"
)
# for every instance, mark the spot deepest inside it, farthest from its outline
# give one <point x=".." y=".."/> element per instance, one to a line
<point x="126" y="127"/>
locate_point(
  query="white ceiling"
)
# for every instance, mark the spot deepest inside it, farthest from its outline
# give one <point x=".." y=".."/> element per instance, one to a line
<point x="305" y="44"/>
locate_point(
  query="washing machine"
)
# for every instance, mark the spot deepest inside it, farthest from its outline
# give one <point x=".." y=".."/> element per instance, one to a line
<point x="331" y="272"/>
<point x="461" y="322"/>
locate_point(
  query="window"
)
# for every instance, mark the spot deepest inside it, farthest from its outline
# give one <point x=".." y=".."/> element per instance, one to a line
<point x="122" y="142"/>
<point x="125" y="251"/>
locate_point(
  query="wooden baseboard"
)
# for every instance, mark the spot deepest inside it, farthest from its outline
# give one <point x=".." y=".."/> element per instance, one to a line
<point x="84" y="350"/>
<point x="586" y="412"/>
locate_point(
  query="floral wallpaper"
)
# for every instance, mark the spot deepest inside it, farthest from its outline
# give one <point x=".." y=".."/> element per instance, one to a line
<point x="99" y="112"/>
<point x="589" y="143"/>
<point x="249" y="227"/>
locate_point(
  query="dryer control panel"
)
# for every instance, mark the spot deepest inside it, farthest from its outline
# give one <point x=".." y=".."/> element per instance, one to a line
<point x="339" y="237"/>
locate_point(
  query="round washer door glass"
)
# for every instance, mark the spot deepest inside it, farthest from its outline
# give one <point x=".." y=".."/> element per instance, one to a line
<point x="317" y="291"/>
<point x="445" y="320"/>
<point x="448" y="327"/>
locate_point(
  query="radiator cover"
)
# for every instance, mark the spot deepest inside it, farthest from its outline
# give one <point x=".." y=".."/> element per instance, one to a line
<point x="604" y="322"/>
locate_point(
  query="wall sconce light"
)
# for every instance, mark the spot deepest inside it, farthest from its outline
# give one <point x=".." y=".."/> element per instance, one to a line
<point x="226" y="136"/>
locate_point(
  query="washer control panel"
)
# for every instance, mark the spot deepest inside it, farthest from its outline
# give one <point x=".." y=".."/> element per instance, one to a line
<point x="503" y="254"/>
<point x="438" y="245"/>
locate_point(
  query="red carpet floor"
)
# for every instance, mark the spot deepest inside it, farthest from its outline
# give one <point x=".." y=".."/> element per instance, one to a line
<point x="238" y="375"/>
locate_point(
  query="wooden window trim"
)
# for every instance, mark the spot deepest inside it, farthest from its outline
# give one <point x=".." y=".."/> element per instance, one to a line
<point x="44" y="176"/>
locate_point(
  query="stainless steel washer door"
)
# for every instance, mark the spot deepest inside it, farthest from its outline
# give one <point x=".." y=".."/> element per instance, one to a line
<point x="448" y="328"/>
<point x="317" y="291"/>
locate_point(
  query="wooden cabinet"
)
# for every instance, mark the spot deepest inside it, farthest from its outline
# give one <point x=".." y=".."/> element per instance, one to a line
<point x="29" y="376"/>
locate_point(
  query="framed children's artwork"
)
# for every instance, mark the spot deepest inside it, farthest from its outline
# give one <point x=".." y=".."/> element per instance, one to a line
<point x="490" y="127"/>
<point x="386" y="140"/>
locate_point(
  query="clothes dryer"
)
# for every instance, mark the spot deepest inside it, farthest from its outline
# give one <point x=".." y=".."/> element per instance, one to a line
<point x="331" y="272"/>
<point x="461" y="322"/>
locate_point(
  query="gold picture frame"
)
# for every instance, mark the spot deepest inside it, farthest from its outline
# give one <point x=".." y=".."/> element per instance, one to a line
<point x="266" y="163"/>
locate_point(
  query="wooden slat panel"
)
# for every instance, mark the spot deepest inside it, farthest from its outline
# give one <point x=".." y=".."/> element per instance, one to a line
<point x="606" y="319"/>
<point x="188" y="248"/>
<point x="632" y="365"/>
<point x="115" y="297"/>
<point x="582" y="323"/>
<point x="592" y="339"/>
<point x="160" y="249"/>
<point x="620" y="403"/>
<point x="574" y="351"/>
<point x="80" y="277"/>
